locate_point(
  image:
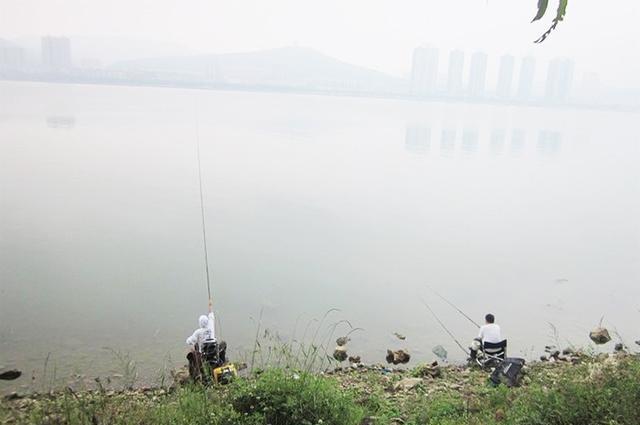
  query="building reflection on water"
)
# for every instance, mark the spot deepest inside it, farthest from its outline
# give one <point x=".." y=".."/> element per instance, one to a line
<point x="61" y="122"/>
<point x="469" y="141"/>
<point x="418" y="139"/>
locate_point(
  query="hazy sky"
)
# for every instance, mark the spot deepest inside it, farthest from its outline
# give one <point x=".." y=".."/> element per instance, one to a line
<point x="601" y="36"/>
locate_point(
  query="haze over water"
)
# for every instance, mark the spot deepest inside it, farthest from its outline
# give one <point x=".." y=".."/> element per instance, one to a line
<point x="311" y="203"/>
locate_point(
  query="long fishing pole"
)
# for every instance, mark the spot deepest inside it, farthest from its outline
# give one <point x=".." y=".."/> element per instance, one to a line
<point x="444" y="327"/>
<point x="452" y="305"/>
<point x="204" y="227"/>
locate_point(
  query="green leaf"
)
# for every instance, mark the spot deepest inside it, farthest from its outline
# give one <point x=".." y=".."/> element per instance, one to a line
<point x="562" y="10"/>
<point x="560" y="14"/>
<point x="542" y="9"/>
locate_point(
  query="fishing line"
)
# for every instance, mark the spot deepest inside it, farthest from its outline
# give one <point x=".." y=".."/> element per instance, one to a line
<point x="444" y="327"/>
<point x="204" y="227"/>
<point x="452" y="305"/>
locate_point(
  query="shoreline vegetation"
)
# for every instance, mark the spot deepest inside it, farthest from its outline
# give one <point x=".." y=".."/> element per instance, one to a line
<point x="302" y="380"/>
<point x="575" y="387"/>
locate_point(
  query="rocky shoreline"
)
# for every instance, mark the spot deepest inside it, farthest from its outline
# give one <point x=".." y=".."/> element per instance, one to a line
<point x="398" y="387"/>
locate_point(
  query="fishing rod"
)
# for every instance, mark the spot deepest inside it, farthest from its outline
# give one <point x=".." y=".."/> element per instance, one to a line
<point x="444" y="327"/>
<point x="204" y="227"/>
<point x="452" y="305"/>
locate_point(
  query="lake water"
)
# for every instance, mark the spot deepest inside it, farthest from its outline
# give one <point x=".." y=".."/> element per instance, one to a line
<point x="311" y="203"/>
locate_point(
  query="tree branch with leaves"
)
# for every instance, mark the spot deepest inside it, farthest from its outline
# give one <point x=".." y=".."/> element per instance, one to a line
<point x="543" y="5"/>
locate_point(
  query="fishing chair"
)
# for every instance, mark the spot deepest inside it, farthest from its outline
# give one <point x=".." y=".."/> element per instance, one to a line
<point x="214" y="353"/>
<point x="491" y="354"/>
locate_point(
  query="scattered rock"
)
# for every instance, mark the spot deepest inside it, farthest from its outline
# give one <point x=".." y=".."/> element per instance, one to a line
<point x="407" y="384"/>
<point x="398" y="357"/>
<point x="354" y="359"/>
<point x="10" y="375"/>
<point x="638" y="342"/>
<point x="428" y="370"/>
<point x="400" y="336"/>
<point x="600" y="335"/>
<point x="568" y="351"/>
<point x="342" y="341"/>
<point x="340" y="353"/>
<point x="619" y="347"/>
<point x="12" y="396"/>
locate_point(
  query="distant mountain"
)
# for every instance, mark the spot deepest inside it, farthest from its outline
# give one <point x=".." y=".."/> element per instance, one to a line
<point x="297" y="67"/>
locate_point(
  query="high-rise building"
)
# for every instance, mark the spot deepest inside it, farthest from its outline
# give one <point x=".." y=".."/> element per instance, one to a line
<point x="505" y="77"/>
<point x="525" y="80"/>
<point x="559" y="80"/>
<point x="478" y="74"/>
<point x="424" y="72"/>
<point x="454" y="76"/>
<point x="56" y="53"/>
<point x="11" y="55"/>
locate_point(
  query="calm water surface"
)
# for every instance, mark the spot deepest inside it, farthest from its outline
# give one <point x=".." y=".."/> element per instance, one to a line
<point x="311" y="203"/>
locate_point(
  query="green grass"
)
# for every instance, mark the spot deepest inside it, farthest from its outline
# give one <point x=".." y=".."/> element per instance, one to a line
<point x="279" y="397"/>
<point x="599" y="392"/>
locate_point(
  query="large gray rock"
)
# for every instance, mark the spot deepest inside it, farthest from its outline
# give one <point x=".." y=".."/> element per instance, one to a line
<point x="600" y="335"/>
<point x="407" y="384"/>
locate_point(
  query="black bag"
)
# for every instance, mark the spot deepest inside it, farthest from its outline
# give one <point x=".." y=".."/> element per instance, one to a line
<point x="508" y="372"/>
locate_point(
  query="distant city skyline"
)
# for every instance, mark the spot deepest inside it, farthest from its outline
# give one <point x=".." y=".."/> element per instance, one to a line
<point x="426" y="78"/>
<point x="386" y="34"/>
<point x="430" y="78"/>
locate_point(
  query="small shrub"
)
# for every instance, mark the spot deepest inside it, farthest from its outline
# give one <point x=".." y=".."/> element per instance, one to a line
<point x="611" y="395"/>
<point x="278" y="397"/>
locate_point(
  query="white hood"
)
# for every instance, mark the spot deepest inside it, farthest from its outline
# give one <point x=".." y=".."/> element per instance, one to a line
<point x="203" y="321"/>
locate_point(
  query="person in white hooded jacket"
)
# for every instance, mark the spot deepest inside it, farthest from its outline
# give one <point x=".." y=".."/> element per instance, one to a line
<point x="206" y="331"/>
